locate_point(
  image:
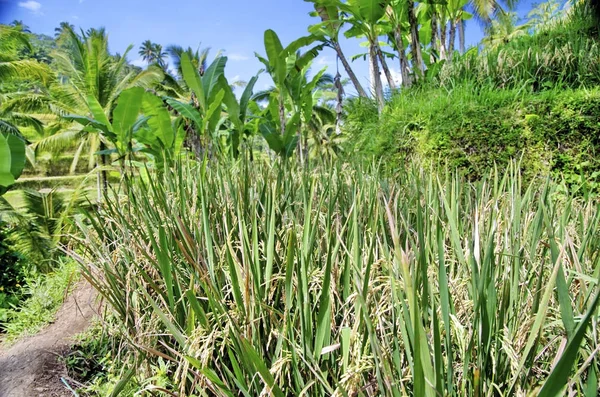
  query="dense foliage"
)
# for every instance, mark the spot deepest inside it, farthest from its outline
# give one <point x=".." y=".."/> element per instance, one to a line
<point x="475" y="129"/>
<point x="534" y="98"/>
<point x="247" y="278"/>
<point x="12" y="275"/>
<point x="438" y="237"/>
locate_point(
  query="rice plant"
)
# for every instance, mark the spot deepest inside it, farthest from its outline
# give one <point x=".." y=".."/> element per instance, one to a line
<point x="254" y="279"/>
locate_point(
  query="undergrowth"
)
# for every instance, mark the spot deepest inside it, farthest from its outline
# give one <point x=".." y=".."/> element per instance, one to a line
<point x="45" y="294"/>
<point x="554" y="132"/>
<point x="535" y="99"/>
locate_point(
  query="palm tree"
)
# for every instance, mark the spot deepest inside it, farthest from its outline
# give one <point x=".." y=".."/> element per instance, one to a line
<point x="12" y="67"/>
<point x="92" y="80"/>
<point x="62" y="28"/>
<point x="364" y="16"/>
<point x="160" y="56"/>
<point x="12" y="40"/>
<point x="199" y="57"/>
<point x="504" y="29"/>
<point x="20" y="25"/>
<point x="147" y="51"/>
<point x="175" y="86"/>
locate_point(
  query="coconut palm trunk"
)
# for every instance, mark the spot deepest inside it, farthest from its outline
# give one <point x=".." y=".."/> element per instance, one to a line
<point x="434" y="33"/>
<point x="338" y="108"/>
<point x="359" y="88"/>
<point x="461" y="36"/>
<point x="386" y="69"/>
<point x="404" y="68"/>
<point x="415" y="45"/>
<point x="451" y="39"/>
<point x="335" y="44"/>
<point x="443" y="35"/>
<point x="375" y="74"/>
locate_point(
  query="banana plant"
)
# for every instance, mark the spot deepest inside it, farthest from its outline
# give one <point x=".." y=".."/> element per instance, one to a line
<point x="292" y="96"/>
<point x="237" y="112"/>
<point x="457" y="15"/>
<point x="328" y="30"/>
<point x="124" y="117"/>
<point x="154" y="130"/>
<point x="302" y="92"/>
<point x="12" y="159"/>
<point x="364" y="16"/>
<point x="283" y="144"/>
<point x="208" y="93"/>
<point x="159" y="135"/>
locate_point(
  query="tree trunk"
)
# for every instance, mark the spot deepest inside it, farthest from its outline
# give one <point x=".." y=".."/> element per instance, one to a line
<point x="98" y="187"/>
<point x="443" y="52"/>
<point x="415" y="45"/>
<point x="404" y="69"/>
<point x="282" y="114"/>
<point x="337" y="83"/>
<point x="376" y="74"/>
<point x="359" y="89"/>
<point x="452" y="39"/>
<point x="372" y="77"/>
<point x="386" y="69"/>
<point x="434" y="32"/>
<point x="302" y="143"/>
<point x="461" y="36"/>
<point x="192" y="141"/>
<point x="104" y="163"/>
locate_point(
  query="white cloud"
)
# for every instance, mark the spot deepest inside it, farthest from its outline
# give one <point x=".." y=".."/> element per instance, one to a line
<point x="396" y="75"/>
<point x="237" y="57"/>
<point x="324" y="61"/>
<point x="236" y="77"/>
<point x="31" y="5"/>
<point x="139" y="62"/>
<point x="74" y="17"/>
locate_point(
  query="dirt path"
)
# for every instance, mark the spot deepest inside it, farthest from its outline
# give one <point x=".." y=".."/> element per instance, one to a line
<point x="31" y="367"/>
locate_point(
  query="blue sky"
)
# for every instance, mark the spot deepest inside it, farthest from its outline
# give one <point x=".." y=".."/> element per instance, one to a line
<point x="234" y="26"/>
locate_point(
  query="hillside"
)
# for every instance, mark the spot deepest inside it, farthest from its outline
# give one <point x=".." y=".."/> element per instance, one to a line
<point x="535" y="98"/>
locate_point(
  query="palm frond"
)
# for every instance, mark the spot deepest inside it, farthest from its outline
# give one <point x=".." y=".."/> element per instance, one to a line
<point x="26" y="120"/>
<point x="263" y="96"/>
<point x="8" y="128"/>
<point x="24" y="69"/>
<point x="60" y="141"/>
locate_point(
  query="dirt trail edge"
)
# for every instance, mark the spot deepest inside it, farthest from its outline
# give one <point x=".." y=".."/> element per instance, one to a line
<point x="31" y="367"/>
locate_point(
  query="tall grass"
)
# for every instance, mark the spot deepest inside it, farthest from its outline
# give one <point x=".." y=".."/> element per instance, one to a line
<point x="271" y="280"/>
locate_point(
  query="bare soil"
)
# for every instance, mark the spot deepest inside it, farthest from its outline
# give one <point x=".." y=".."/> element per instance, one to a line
<point x="32" y="367"/>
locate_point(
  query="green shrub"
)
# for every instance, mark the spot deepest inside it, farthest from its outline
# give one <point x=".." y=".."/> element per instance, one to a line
<point x="474" y="130"/>
<point x="45" y="294"/>
<point x="12" y="274"/>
